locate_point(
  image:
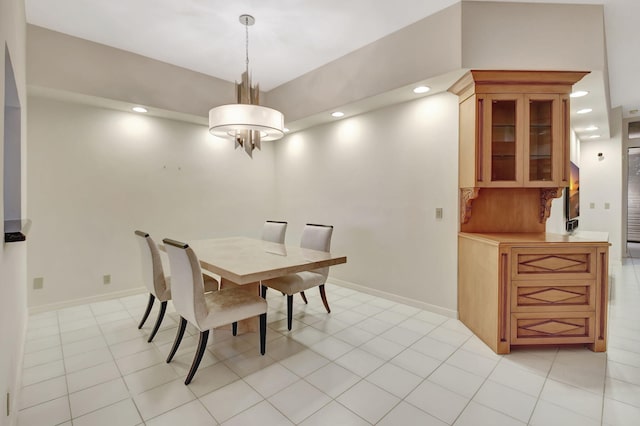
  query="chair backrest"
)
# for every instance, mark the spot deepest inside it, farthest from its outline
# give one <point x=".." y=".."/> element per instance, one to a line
<point x="274" y="231"/>
<point x="317" y="237"/>
<point x="187" y="285"/>
<point x="152" y="271"/>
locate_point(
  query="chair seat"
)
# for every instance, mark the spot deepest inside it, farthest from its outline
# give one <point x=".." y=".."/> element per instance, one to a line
<point x="231" y="305"/>
<point x="295" y="283"/>
<point x="210" y="284"/>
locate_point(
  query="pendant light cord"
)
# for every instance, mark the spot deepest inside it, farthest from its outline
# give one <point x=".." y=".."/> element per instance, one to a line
<point x="246" y="44"/>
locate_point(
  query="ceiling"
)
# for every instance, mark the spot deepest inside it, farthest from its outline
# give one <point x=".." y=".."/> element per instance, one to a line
<point x="291" y="37"/>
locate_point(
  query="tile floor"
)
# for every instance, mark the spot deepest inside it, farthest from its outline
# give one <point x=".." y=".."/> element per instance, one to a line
<point x="371" y="361"/>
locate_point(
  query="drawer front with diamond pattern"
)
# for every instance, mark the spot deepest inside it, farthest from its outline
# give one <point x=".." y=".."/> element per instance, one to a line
<point x="553" y="263"/>
<point x="552" y="295"/>
<point x="550" y="328"/>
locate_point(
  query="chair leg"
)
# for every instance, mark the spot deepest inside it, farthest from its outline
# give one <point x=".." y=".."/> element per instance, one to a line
<point x="263" y="291"/>
<point x="234" y="328"/>
<point x="181" y="328"/>
<point x="289" y="311"/>
<point x="152" y="298"/>
<point x="304" y="297"/>
<point x="202" y="345"/>
<point x="324" y="299"/>
<point x="163" y="309"/>
<point x="263" y="332"/>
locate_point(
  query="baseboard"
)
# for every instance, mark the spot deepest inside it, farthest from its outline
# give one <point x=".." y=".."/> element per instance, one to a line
<point x="390" y="296"/>
<point x="85" y="300"/>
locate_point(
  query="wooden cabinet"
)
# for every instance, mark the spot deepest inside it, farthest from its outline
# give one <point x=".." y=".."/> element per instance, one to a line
<point x="514" y="128"/>
<point x="531" y="289"/>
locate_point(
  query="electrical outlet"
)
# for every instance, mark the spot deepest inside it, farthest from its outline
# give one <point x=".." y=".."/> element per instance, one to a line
<point x="106" y="279"/>
<point x="438" y="212"/>
<point x="38" y="283"/>
<point x="592" y="205"/>
<point x="607" y="206"/>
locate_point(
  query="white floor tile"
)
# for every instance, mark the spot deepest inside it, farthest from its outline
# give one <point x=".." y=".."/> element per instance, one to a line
<point x="451" y="337"/>
<point x="355" y="336"/>
<point x="334" y="414"/>
<point x="149" y="378"/>
<point x="359" y="362"/>
<point x="407" y="414"/>
<point x="456" y="380"/>
<point x="230" y="400"/>
<point x="41" y="344"/>
<point x="42" y="357"/>
<point x="82" y="334"/>
<point x="333" y="379"/>
<point x="123" y="413"/>
<point x="260" y="414"/>
<point x="622" y="391"/>
<point x="394" y="380"/>
<point x="434" y="348"/>
<point x="42" y="392"/>
<point x="620" y="414"/>
<point x="401" y="335"/>
<point x="624" y="373"/>
<point x="163" y="398"/>
<point x="506" y="400"/>
<point x="416" y="363"/>
<point x="476" y="414"/>
<point x="332" y="348"/>
<point x="572" y="398"/>
<point x="87" y="359"/>
<point x="472" y="363"/>
<point x="299" y="401"/>
<point x="96" y="397"/>
<point x="368" y="401"/>
<point x="49" y="413"/>
<point x="42" y="372"/>
<point x="211" y="378"/>
<point x="304" y="363"/>
<point x="140" y="360"/>
<point x="271" y="379"/>
<point x="307" y="335"/>
<point x="382" y="348"/>
<point x="548" y="414"/>
<point x="437" y="401"/>
<point x="249" y="362"/>
<point x="92" y="376"/>
<point x="129" y="347"/>
<point x="190" y="414"/>
<point x="517" y="378"/>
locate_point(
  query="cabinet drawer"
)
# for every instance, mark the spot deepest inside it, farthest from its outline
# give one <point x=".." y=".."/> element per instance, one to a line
<point x="552" y="328"/>
<point x="552" y="296"/>
<point x="571" y="263"/>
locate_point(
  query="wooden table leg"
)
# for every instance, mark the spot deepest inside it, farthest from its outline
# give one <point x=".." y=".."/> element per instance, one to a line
<point x="249" y="324"/>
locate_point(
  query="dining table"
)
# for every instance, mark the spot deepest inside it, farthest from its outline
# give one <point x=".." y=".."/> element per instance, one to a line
<point x="241" y="261"/>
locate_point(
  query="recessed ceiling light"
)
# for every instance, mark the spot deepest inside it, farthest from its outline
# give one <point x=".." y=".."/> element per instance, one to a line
<point x="594" y="136"/>
<point x="591" y="128"/>
<point x="139" y="109"/>
<point x="286" y="130"/>
<point x="584" y="111"/>
<point x="337" y="114"/>
<point x="579" y="94"/>
<point x="421" y="89"/>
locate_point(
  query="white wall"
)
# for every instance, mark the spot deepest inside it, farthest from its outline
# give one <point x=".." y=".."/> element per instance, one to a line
<point x="600" y="183"/>
<point x="96" y="175"/>
<point x="13" y="307"/>
<point x="378" y="178"/>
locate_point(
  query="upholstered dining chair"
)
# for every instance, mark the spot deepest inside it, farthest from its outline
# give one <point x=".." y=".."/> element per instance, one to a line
<point x="157" y="282"/>
<point x="274" y="231"/>
<point x="207" y="310"/>
<point x="314" y="237"/>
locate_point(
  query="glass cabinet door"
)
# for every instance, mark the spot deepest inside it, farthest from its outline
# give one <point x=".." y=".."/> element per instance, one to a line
<point x="541" y="129"/>
<point x="503" y="132"/>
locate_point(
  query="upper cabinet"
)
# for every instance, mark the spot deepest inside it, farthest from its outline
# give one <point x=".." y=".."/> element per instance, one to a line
<point x="514" y="128"/>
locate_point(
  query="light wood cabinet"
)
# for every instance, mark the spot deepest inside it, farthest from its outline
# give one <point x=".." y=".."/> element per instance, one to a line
<point x="532" y="289"/>
<point x="514" y="128"/>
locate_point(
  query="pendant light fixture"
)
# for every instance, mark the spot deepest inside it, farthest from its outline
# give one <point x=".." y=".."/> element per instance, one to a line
<point x="246" y="122"/>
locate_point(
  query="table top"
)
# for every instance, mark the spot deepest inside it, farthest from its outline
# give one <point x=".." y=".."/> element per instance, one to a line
<point x="245" y="260"/>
